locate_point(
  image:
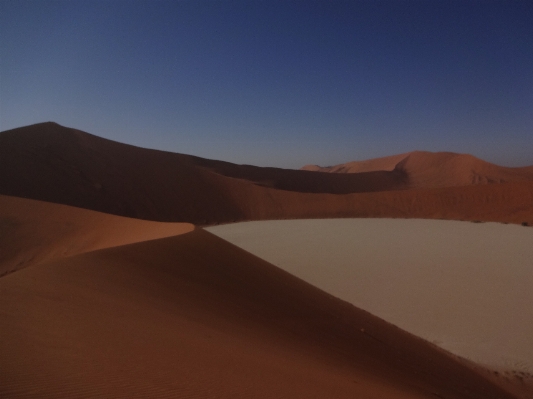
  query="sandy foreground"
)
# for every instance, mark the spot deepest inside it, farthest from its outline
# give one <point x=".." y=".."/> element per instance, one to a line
<point x="155" y="310"/>
<point x="466" y="287"/>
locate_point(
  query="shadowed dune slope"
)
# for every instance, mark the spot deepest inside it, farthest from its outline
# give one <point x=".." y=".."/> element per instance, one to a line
<point x="440" y="169"/>
<point x="303" y="182"/>
<point x="105" y="171"/>
<point x="193" y="316"/>
<point x="32" y="231"/>
<point x="57" y="164"/>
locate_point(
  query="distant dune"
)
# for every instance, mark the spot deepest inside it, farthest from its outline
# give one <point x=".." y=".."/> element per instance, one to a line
<point x="62" y="165"/>
<point x="369" y="165"/>
<point x="440" y="169"/>
<point x="193" y="316"/>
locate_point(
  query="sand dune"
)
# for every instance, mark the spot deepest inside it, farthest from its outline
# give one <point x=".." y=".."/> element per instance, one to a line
<point x="52" y="163"/>
<point x="56" y="164"/>
<point x="32" y="231"/>
<point x="440" y="169"/>
<point x="116" y="307"/>
<point x="300" y="181"/>
<point x="369" y="165"/>
<point x="448" y="169"/>
<point x="194" y="316"/>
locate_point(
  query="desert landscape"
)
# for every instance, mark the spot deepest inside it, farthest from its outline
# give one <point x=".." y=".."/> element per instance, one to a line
<point x="114" y="284"/>
<point x="279" y="199"/>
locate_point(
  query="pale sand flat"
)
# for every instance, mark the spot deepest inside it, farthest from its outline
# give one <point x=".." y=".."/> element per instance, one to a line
<point x="465" y="286"/>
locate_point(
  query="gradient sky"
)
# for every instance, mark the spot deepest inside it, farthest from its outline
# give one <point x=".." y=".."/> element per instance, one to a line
<point x="276" y="83"/>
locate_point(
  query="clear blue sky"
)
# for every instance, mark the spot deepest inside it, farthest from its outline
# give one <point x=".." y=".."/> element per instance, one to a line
<point x="276" y="83"/>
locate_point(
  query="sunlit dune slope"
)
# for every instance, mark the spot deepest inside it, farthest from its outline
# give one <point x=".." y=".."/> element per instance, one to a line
<point x="57" y="164"/>
<point x="445" y="169"/>
<point x="369" y="165"/>
<point x="440" y="169"/>
<point x="33" y="231"/>
<point x="193" y="316"/>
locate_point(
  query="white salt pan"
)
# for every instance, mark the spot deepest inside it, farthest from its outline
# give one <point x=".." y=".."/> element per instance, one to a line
<point x="467" y="287"/>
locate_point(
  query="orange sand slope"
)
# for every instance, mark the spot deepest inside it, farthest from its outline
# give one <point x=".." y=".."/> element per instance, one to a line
<point x="57" y="164"/>
<point x="33" y="231"/>
<point x="369" y="165"/>
<point x="441" y="169"/>
<point x="194" y="316"/>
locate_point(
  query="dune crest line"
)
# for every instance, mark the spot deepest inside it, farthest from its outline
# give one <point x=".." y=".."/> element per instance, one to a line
<point x="53" y="163"/>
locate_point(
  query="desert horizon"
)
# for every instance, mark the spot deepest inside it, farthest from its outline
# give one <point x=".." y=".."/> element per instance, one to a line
<point x="113" y="284"/>
<point x="266" y="199"/>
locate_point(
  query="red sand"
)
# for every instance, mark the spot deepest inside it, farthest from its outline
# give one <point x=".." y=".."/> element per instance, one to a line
<point x="52" y="163"/>
<point x="194" y="316"/>
<point x="440" y="169"/>
<point x="33" y="231"/>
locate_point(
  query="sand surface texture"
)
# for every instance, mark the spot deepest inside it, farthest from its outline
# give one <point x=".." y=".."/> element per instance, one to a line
<point x="467" y="287"/>
<point x="193" y="316"/>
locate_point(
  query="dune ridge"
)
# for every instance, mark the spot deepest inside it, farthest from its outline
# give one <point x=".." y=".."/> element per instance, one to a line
<point x="194" y="316"/>
<point x="82" y="170"/>
<point x="435" y="169"/>
<point x="32" y="232"/>
<point x="369" y="165"/>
